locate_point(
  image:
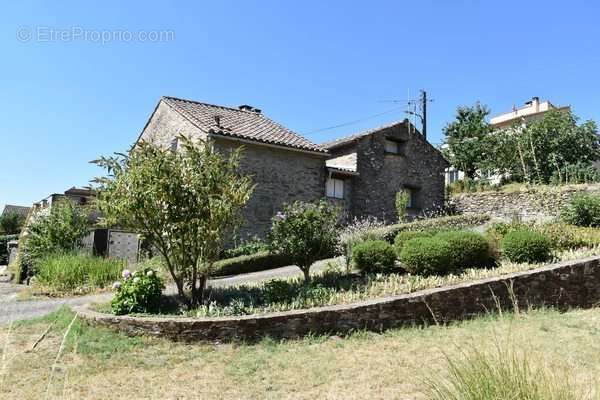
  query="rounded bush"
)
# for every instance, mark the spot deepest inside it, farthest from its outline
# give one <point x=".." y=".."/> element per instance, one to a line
<point x="427" y="256"/>
<point x="374" y="256"/>
<point x="469" y="249"/>
<point x="525" y="246"/>
<point x="405" y="236"/>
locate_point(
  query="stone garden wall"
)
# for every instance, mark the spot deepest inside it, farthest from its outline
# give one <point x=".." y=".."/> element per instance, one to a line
<point x="537" y="203"/>
<point x="563" y="285"/>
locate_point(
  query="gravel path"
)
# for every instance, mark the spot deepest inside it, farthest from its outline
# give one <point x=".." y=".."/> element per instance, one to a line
<point x="12" y="310"/>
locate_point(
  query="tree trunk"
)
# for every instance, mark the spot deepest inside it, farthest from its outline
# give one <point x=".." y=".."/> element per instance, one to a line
<point x="306" y="272"/>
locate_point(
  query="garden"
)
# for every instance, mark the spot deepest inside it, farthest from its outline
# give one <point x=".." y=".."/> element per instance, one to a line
<point x="365" y="259"/>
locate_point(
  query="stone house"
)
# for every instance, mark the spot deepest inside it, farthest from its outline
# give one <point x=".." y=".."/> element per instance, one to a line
<point x="361" y="172"/>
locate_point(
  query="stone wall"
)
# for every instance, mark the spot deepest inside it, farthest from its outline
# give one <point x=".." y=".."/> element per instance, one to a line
<point x="537" y="203"/>
<point x="563" y="285"/>
<point x="281" y="176"/>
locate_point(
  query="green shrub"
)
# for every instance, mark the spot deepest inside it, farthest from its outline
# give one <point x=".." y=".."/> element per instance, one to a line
<point x="251" y="263"/>
<point x="305" y="233"/>
<point x="582" y="210"/>
<point x="139" y="292"/>
<point x="405" y="236"/>
<point x="427" y="256"/>
<point x="374" y="256"/>
<point x="4" y="239"/>
<point x="469" y="249"/>
<point x="563" y="236"/>
<point x="70" y="272"/>
<point x="250" y="247"/>
<point x="526" y="246"/>
<point x="388" y="233"/>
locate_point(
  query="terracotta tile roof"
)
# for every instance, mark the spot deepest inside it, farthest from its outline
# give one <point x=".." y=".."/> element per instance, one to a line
<point x="10" y="209"/>
<point x="245" y="124"/>
<point x="343" y="163"/>
<point x="350" y="138"/>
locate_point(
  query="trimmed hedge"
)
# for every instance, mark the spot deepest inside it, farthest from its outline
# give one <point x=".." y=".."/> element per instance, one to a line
<point x="523" y="246"/>
<point x="469" y="249"/>
<point x="260" y="261"/>
<point x="427" y="256"/>
<point x="4" y="239"/>
<point x="453" y="222"/>
<point x="374" y="256"/>
<point x="403" y="237"/>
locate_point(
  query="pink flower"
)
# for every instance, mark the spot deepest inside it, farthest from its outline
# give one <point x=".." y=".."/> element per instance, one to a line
<point x="126" y="273"/>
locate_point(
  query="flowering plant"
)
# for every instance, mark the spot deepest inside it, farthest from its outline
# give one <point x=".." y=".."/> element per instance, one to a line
<point x="139" y="291"/>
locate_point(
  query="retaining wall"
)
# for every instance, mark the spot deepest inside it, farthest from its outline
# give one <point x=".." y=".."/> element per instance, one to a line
<point x="536" y="203"/>
<point x="563" y="285"/>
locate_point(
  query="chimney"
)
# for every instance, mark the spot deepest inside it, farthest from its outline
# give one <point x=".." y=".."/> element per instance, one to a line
<point x="535" y="103"/>
<point x="246" y="107"/>
<point x="218" y="120"/>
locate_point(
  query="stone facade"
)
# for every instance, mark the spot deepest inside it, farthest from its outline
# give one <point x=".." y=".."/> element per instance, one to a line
<point x="418" y="167"/>
<point x="281" y="176"/>
<point x="294" y="169"/>
<point x="564" y="285"/>
<point x="537" y="204"/>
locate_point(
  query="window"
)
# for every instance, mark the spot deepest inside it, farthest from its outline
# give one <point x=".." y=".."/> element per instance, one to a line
<point x="174" y="144"/>
<point x="335" y="188"/>
<point x="391" y="146"/>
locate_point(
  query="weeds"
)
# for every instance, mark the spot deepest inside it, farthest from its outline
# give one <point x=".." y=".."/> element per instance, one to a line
<point x="68" y="273"/>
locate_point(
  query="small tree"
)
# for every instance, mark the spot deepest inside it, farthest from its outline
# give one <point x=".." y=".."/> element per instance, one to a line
<point x="62" y="230"/>
<point x="305" y="232"/>
<point x="465" y="137"/>
<point x="11" y="223"/>
<point x="402" y="198"/>
<point x="186" y="204"/>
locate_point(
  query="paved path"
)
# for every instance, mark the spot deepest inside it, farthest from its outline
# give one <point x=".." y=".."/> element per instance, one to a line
<point x="11" y="309"/>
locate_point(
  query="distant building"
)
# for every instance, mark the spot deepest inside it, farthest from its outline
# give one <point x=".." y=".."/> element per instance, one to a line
<point x="11" y="209"/>
<point x="102" y="242"/>
<point x="533" y="109"/>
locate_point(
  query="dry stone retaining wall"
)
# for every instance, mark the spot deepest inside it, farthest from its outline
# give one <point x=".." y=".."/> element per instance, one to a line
<point x="533" y="204"/>
<point x="563" y="285"/>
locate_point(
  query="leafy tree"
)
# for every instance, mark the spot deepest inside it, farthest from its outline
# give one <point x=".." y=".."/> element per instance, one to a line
<point x="305" y="232"/>
<point x="543" y="149"/>
<point x="61" y="230"/>
<point x="465" y="137"/>
<point x="186" y="204"/>
<point x="11" y="223"/>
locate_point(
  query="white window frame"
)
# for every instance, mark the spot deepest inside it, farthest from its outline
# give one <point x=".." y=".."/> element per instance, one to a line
<point x="335" y="188"/>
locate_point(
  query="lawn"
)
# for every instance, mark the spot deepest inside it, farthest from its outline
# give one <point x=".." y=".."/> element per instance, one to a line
<point x="100" y="364"/>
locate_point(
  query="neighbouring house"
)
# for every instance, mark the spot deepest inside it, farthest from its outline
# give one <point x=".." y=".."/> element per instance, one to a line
<point x="533" y="109"/>
<point x="103" y="242"/>
<point x="362" y="172"/>
<point x="19" y="210"/>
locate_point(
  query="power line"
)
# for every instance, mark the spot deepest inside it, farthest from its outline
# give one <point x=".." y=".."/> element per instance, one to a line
<point x="352" y="122"/>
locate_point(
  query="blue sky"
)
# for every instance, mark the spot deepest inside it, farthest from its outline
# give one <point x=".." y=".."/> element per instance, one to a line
<point x="309" y="65"/>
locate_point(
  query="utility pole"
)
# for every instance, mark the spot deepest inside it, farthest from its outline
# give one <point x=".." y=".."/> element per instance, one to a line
<point x="424" y="108"/>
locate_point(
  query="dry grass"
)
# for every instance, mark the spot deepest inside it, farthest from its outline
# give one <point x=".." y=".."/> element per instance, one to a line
<point x="98" y="364"/>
